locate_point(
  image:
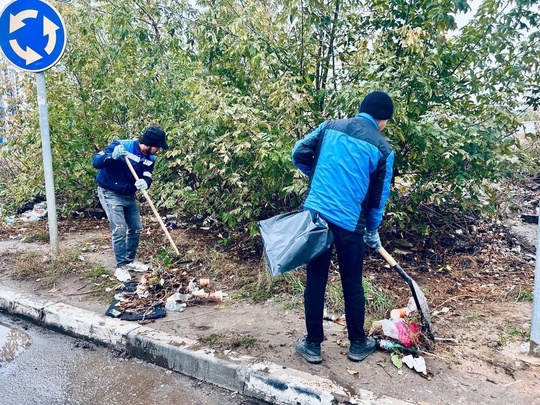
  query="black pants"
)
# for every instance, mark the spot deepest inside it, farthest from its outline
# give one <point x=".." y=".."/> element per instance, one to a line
<point x="350" y="252"/>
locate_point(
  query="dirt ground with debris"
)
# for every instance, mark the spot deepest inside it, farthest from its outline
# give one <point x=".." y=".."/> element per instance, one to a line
<point x="478" y="299"/>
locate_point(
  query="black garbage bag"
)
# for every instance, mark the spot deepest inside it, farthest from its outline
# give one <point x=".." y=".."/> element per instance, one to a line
<point x="293" y="239"/>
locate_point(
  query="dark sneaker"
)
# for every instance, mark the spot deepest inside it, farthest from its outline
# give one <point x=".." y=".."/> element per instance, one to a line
<point x="311" y="352"/>
<point x="358" y="351"/>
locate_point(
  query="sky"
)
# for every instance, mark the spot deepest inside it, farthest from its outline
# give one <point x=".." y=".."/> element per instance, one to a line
<point x="461" y="19"/>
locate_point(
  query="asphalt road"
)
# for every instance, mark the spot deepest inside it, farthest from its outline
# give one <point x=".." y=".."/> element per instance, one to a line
<point x="50" y="368"/>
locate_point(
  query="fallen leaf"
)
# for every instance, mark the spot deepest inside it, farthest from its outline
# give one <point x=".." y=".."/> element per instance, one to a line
<point x="353" y="372"/>
<point x="397" y="361"/>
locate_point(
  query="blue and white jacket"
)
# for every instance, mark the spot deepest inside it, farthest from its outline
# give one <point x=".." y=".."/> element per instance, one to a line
<point x="114" y="175"/>
<point x="353" y="172"/>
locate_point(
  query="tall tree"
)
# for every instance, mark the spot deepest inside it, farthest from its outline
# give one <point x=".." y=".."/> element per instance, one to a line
<point x="237" y="82"/>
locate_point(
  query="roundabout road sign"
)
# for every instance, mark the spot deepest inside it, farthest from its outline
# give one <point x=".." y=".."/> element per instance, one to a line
<point x="32" y="34"/>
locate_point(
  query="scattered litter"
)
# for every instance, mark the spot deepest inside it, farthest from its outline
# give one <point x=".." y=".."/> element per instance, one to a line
<point x="339" y="319"/>
<point x="177" y="302"/>
<point x="217" y="296"/>
<point x="407" y="333"/>
<point x="38" y="212"/>
<point x="416" y="363"/>
<point x="397" y="360"/>
<point x="131" y="309"/>
<point x="451" y="340"/>
<point x="165" y="289"/>
<point x="119" y="297"/>
<point x="399" y="313"/>
<point x="393" y="347"/>
<point x="444" y="310"/>
<point x="113" y="312"/>
<point x="400" y="336"/>
<point x="204" y="282"/>
<point x="200" y="293"/>
<point x="356" y="373"/>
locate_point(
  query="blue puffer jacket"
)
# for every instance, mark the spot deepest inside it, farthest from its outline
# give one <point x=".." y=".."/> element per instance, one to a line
<point x="114" y="175"/>
<point x="353" y="172"/>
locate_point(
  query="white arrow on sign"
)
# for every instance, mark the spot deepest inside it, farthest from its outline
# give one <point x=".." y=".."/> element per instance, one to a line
<point x="29" y="55"/>
<point x="49" y="28"/>
<point x="17" y="21"/>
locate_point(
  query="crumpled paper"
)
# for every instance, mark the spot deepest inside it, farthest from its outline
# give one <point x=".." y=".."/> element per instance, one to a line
<point x="416" y="363"/>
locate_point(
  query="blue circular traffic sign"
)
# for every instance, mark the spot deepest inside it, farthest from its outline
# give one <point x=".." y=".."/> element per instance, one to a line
<point x="32" y="34"/>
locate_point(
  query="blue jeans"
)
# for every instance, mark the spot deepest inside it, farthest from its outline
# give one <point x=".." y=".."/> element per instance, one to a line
<point x="350" y="253"/>
<point x="125" y="222"/>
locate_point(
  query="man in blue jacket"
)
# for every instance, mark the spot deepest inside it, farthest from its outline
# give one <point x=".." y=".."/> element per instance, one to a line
<point x="350" y="167"/>
<point x="116" y="192"/>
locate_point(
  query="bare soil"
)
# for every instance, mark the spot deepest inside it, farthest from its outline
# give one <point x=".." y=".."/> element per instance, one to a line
<point x="480" y="300"/>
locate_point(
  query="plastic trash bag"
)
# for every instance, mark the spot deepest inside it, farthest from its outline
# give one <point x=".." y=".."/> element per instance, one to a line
<point x="293" y="239"/>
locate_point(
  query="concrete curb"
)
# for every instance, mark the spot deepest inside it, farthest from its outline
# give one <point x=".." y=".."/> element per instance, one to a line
<point x="262" y="380"/>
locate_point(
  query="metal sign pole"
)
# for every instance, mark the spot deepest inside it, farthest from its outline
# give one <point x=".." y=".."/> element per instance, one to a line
<point x="47" y="160"/>
<point x="534" y="348"/>
<point x="33" y="38"/>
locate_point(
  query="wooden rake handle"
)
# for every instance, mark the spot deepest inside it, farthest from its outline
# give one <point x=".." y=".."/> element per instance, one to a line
<point x="153" y="208"/>
<point x="386" y="256"/>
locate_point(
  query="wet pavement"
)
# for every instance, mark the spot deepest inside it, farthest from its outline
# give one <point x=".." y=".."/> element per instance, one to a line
<point x="43" y="367"/>
<point x="12" y="343"/>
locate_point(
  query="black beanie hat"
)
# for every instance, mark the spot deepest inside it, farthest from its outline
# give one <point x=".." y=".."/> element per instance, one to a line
<point x="378" y="104"/>
<point x="154" y="136"/>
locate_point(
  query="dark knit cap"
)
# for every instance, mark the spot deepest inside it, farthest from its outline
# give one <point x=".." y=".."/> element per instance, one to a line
<point x="154" y="136"/>
<point x="378" y="104"/>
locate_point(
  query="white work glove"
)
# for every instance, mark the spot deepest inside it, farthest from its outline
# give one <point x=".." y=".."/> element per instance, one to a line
<point x="372" y="239"/>
<point x="141" y="184"/>
<point x="118" y="151"/>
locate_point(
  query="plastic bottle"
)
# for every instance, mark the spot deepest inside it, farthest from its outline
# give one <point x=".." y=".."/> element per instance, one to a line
<point x="405" y="311"/>
<point x="398" y="313"/>
<point x="389" y="346"/>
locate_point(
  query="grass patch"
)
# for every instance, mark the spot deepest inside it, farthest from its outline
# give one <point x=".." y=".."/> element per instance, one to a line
<point x="28" y="265"/>
<point x="102" y="281"/>
<point x="295" y="283"/>
<point x="37" y="238"/>
<point x="474" y="315"/>
<point x="95" y="272"/>
<point x="295" y="291"/>
<point x="264" y="286"/>
<point x="524" y="296"/>
<point x="514" y="334"/>
<point x="216" y="340"/>
<point x="49" y="269"/>
<point x="212" y="340"/>
<point x="378" y="303"/>
<point x="334" y="300"/>
<point x="259" y="287"/>
<point x="246" y="342"/>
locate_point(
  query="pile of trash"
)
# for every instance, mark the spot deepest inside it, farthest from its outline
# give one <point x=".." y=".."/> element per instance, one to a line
<point x="34" y="212"/>
<point x="401" y="336"/>
<point x="168" y="289"/>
